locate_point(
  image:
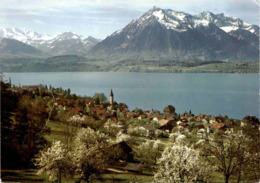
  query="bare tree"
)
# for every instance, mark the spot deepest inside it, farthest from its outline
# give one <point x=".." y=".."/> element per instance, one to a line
<point x="228" y="152"/>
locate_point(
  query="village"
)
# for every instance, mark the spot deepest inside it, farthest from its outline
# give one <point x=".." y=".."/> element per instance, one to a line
<point x="138" y="138"/>
<point x="115" y="115"/>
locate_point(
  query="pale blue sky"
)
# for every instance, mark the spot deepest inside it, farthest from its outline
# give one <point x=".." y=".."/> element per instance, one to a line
<point x="100" y="18"/>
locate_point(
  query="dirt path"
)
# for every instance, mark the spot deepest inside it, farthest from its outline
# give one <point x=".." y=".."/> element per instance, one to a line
<point x="115" y="170"/>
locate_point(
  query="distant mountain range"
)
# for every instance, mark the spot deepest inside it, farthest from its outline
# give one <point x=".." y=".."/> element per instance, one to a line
<point x="167" y="34"/>
<point x="12" y="47"/>
<point x="159" y="34"/>
<point x="66" y="43"/>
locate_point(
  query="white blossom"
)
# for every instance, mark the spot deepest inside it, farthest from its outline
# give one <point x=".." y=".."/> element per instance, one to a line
<point x="77" y="119"/>
<point x="91" y="152"/>
<point x="181" y="164"/>
<point x="55" y="161"/>
<point x="120" y="137"/>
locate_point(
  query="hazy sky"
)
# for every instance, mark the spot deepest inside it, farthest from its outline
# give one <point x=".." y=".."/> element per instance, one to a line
<point x="100" y="18"/>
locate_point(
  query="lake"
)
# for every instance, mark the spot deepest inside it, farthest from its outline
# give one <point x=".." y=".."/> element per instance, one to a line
<point x="235" y="95"/>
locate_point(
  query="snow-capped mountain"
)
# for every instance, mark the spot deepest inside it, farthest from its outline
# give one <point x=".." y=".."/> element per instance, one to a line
<point x="25" y="35"/>
<point x="169" y="34"/>
<point x="226" y="23"/>
<point x="53" y="45"/>
<point x="180" y="21"/>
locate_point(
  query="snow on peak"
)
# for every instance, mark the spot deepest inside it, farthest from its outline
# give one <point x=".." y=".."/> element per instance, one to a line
<point x="204" y="19"/>
<point x="203" y="22"/>
<point x="159" y="14"/>
<point x="180" y="21"/>
<point x="206" y="15"/>
<point x="168" y="18"/>
<point x="23" y="35"/>
<point x="228" y="28"/>
<point x="36" y="39"/>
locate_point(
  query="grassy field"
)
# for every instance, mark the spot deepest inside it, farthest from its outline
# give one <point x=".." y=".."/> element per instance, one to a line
<point x="57" y="133"/>
<point x="27" y="175"/>
<point x="30" y="175"/>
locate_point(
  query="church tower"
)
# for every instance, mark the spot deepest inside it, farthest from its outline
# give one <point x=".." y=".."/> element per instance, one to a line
<point x="111" y="97"/>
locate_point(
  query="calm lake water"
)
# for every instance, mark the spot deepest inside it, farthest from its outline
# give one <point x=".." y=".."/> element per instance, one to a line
<point x="235" y="95"/>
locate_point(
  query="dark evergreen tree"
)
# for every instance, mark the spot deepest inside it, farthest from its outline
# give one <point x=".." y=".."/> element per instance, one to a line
<point x="22" y="139"/>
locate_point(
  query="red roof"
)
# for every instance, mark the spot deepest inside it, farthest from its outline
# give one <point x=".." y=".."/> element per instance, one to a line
<point x="217" y="119"/>
<point x="93" y="109"/>
<point x="142" y="116"/>
<point x="200" y="126"/>
<point x="183" y="124"/>
<point x="159" y="117"/>
<point x="61" y="101"/>
<point x="131" y="115"/>
<point x="31" y="86"/>
<point x="150" y="116"/>
<point x="100" y="111"/>
<point x="18" y="89"/>
<point x="122" y="121"/>
<point x="40" y="108"/>
<point x="113" y="119"/>
<point x="109" y="115"/>
<point x="124" y="106"/>
<point x="75" y="110"/>
<point x="92" y="117"/>
<point x="90" y="104"/>
<point x="217" y="126"/>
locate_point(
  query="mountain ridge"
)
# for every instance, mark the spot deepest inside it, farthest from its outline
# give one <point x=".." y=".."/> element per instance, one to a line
<point x="59" y="44"/>
<point x="168" y="34"/>
<point x="159" y="34"/>
<point x="15" y="48"/>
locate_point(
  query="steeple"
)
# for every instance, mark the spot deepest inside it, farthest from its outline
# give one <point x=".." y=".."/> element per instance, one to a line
<point x="111" y="97"/>
<point x="111" y="93"/>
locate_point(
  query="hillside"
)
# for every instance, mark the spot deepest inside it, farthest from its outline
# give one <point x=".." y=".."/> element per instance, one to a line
<point x="74" y="63"/>
<point x="14" y="48"/>
<point x="50" y="130"/>
<point x="163" y="34"/>
<point x="65" y="63"/>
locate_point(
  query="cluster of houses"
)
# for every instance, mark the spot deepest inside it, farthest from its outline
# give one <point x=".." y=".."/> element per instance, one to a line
<point x="165" y="121"/>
